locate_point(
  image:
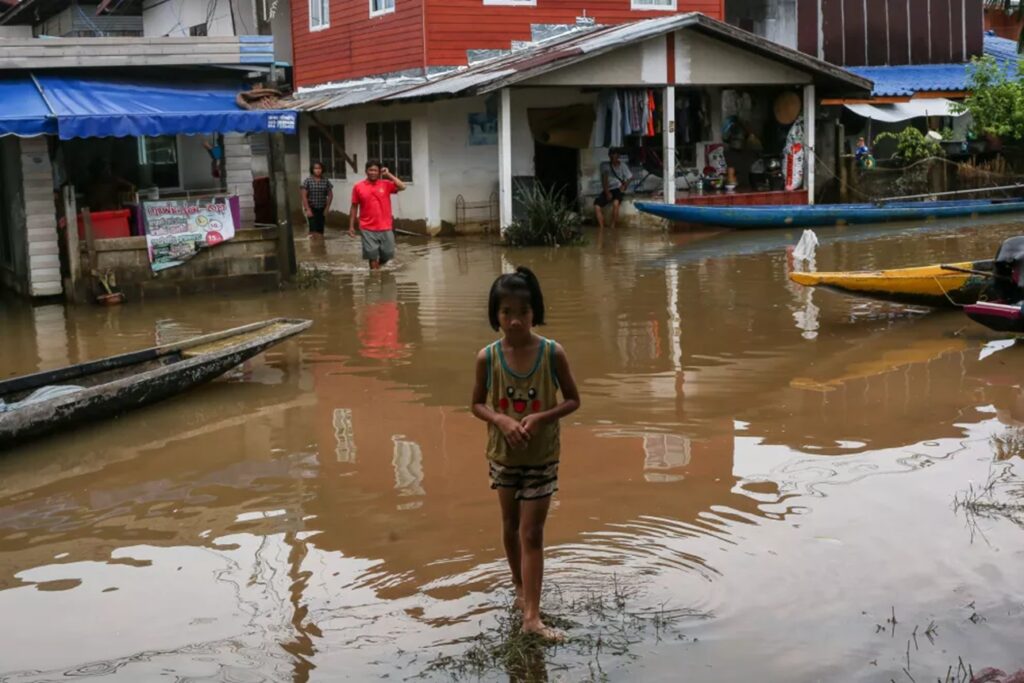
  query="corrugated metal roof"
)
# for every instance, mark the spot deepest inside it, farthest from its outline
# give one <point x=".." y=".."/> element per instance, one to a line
<point x="561" y="51"/>
<point x="904" y="81"/>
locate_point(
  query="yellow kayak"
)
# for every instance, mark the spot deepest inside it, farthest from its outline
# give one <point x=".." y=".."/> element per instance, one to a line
<point x="921" y="286"/>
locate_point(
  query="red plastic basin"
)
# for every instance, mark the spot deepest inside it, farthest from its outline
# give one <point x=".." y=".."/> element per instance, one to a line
<point x="107" y="224"/>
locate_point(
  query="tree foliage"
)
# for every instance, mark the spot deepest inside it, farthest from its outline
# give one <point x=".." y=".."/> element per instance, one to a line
<point x="996" y="99"/>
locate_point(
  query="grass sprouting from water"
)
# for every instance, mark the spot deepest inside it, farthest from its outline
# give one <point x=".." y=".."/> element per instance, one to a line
<point x="1002" y="494"/>
<point x="311" y="276"/>
<point x="1009" y="444"/>
<point x="599" y="623"/>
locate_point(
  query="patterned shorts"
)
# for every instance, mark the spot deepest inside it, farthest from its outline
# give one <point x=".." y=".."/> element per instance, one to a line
<point x="530" y="482"/>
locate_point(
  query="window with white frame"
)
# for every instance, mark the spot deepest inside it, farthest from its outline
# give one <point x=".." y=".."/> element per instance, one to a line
<point x="319" y="14"/>
<point x="390" y="143"/>
<point x="653" y="4"/>
<point x="379" y="7"/>
<point x="525" y="3"/>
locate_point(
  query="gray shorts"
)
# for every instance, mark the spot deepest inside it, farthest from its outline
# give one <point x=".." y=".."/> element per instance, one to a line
<point x="378" y="245"/>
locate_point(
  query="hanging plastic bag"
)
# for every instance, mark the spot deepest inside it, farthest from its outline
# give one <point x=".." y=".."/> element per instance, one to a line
<point x="806" y="247"/>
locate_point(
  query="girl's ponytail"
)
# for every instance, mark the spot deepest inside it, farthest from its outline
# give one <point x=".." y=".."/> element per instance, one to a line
<point x="536" y="296"/>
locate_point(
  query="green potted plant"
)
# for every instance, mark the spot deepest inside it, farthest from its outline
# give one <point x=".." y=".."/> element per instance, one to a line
<point x="912" y="145"/>
<point x="111" y="296"/>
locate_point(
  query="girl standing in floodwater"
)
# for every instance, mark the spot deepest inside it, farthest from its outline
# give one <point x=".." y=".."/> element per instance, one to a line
<point x="518" y="379"/>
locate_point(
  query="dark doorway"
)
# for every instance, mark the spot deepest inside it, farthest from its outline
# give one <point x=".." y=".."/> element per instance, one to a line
<point x="558" y="170"/>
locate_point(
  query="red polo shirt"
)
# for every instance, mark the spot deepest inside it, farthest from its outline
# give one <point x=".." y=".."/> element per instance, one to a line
<point x="374" y="201"/>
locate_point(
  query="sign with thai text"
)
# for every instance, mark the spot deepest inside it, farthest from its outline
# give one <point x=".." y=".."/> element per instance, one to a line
<point x="282" y="122"/>
<point x="176" y="229"/>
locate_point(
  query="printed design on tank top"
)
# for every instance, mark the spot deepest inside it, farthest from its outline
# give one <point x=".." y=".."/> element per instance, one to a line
<point x="519" y="401"/>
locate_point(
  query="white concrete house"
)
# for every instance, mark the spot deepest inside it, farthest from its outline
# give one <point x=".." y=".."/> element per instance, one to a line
<point x="421" y="127"/>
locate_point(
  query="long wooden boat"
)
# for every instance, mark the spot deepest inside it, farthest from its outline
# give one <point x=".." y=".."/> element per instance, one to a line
<point x="44" y="402"/>
<point x="922" y="286"/>
<point x="752" y="217"/>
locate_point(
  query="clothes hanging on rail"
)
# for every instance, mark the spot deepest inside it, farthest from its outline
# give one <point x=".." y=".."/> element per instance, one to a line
<point x="609" y="122"/>
<point x="651" y="113"/>
<point x="622" y="113"/>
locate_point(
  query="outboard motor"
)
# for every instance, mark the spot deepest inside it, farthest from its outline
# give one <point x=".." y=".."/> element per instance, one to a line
<point x="1008" y="286"/>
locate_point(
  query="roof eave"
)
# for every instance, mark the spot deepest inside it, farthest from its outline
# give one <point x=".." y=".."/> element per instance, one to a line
<point x="840" y="79"/>
<point x="840" y="76"/>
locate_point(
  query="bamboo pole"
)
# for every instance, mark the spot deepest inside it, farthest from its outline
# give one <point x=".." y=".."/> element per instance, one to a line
<point x="90" y="241"/>
<point x="1015" y="186"/>
<point x="73" y="247"/>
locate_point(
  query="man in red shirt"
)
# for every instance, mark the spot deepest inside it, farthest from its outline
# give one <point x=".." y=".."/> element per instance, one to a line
<point x="371" y="205"/>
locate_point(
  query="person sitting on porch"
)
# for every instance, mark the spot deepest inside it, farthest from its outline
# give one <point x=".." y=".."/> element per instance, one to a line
<point x="615" y="177"/>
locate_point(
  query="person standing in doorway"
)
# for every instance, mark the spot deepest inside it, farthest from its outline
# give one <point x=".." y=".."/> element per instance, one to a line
<point x="371" y="206"/>
<point x="615" y="177"/>
<point x="317" y="195"/>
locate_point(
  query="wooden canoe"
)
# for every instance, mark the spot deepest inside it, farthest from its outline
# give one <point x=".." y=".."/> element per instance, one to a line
<point x="922" y="286"/>
<point x="807" y="216"/>
<point x="103" y="388"/>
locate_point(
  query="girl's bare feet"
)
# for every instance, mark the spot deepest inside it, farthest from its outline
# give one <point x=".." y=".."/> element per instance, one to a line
<point x="520" y="604"/>
<point x="537" y="628"/>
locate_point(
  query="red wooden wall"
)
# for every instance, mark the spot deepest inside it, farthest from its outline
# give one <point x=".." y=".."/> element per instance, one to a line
<point x="356" y="45"/>
<point x="409" y="39"/>
<point x="454" y="26"/>
<point x="876" y="32"/>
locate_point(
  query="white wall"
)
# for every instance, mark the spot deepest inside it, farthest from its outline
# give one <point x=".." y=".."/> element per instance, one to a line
<point x="628" y="66"/>
<point x="701" y="60"/>
<point x="15" y="32"/>
<point x="445" y="165"/>
<point x="456" y="166"/>
<point x="174" y="17"/>
<point x="409" y="205"/>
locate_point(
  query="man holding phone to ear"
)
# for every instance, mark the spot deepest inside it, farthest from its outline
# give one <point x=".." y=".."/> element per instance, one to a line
<point x="371" y="206"/>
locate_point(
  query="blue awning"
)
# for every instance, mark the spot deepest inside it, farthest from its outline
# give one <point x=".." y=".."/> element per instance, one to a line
<point x="88" y="107"/>
<point x="24" y="112"/>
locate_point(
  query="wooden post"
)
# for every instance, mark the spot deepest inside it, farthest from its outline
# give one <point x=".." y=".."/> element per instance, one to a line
<point x="90" y="242"/>
<point x="844" y="191"/>
<point x="285" y="235"/>
<point x="810" y="103"/>
<point x="73" y="247"/>
<point x="668" y="134"/>
<point x="505" y="159"/>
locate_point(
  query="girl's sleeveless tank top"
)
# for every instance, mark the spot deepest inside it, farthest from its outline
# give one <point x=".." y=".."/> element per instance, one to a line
<point x="517" y="396"/>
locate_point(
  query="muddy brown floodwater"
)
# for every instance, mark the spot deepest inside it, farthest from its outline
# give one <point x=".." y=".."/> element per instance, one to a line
<point x="765" y="475"/>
